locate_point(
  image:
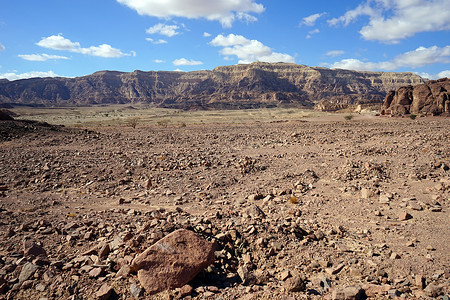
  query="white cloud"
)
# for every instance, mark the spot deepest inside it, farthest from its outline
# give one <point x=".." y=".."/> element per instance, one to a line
<point x="334" y="53"/>
<point x="159" y="61"/>
<point x="206" y="34"/>
<point x="441" y="74"/>
<point x="58" y="42"/>
<point x="156" y="42"/>
<point x="163" y="29"/>
<point x="394" y="20"/>
<point x="2" y="47"/>
<point x="310" y="33"/>
<point x="15" y="76"/>
<point x="248" y="51"/>
<point x="362" y="10"/>
<point x="40" y="57"/>
<point x="103" y="50"/>
<point x="311" y="20"/>
<point x="247" y="18"/>
<point x="413" y="59"/>
<point x="185" y="62"/>
<point x="224" y="11"/>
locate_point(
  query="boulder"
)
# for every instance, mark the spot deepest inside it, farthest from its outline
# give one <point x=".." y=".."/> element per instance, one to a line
<point x="173" y="261"/>
<point x="31" y="249"/>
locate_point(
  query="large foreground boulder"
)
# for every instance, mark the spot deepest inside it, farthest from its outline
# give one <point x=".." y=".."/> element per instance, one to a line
<point x="173" y="261"/>
<point x="431" y="98"/>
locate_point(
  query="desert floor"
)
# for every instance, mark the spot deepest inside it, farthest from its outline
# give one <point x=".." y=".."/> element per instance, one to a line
<point x="330" y="202"/>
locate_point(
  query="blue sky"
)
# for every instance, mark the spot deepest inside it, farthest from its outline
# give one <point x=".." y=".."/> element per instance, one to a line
<point x="78" y="37"/>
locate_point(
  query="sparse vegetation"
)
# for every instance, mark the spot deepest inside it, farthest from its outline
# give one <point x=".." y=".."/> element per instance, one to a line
<point x="132" y="122"/>
<point x="163" y="123"/>
<point x="293" y="200"/>
<point x="412" y="116"/>
<point x="348" y="117"/>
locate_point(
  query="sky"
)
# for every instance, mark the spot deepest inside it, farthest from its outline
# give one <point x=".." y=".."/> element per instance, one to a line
<point x="71" y="38"/>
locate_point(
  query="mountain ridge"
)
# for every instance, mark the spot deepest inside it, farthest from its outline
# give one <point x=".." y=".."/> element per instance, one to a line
<point x="237" y="86"/>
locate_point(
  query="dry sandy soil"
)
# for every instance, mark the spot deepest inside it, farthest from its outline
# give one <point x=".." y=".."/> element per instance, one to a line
<point x="304" y="209"/>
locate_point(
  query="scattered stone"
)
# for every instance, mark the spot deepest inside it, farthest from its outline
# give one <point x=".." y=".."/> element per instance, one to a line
<point x="436" y="208"/>
<point x="95" y="272"/>
<point x="325" y="284"/>
<point x="284" y="275"/>
<point x="254" y="197"/>
<point x="173" y="261"/>
<point x="403" y="216"/>
<point x="420" y="281"/>
<point x="294" y="284"/>
<point x="254" y="211"/>
<point x="124" y="271"/>
<point x="375" y="291"/>
<point x="185" y="290"/>
<point x="246" y="276"/>
<point x="40" y="287"/>
<point x="136" y="291"/>
<point x="27" y="271"/>
<point x="31" y="249"/>
<point x="104" y="292"/>
<point x="385" y="198"/>
<point x="366" y="193"/>
<point x="348" y="293"/>
<point x="104" y="250"/>
<point x="434" y="290"/>
<point x="336" y="269"/>
<point x="26" y="284"/>
<point x="393" y="293"/>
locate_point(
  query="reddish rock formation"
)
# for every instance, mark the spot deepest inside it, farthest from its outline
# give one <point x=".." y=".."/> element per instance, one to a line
<point x="431" y="98"/>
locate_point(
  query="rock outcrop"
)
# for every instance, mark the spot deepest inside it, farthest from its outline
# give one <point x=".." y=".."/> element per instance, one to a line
<point x="238" y="86"/>
<point x="431" y="98"/>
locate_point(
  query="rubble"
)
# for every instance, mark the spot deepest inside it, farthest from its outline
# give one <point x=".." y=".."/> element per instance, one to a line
<point x="65" y="233"/>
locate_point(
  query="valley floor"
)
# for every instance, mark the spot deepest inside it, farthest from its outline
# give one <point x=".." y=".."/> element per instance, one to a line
<point x="329" y="202"/>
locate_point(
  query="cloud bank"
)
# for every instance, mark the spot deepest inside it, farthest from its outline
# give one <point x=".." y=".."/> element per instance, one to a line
<point x="413" y="59"/>
<point x="186" y="62"/>
<point x="40" y="57"/>
<point x="16" y="76"/>
<point x="224" y="11"/>
<point x="248" y="51"/>
<point x="393" y="20"/>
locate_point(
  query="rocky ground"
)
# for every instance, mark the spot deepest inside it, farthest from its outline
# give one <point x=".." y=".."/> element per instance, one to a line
<point x="334" y="209"/>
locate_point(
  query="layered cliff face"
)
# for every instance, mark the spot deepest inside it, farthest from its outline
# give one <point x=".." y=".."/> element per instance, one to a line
<point x="431" y="98"/>
<point x="239" y="86"/>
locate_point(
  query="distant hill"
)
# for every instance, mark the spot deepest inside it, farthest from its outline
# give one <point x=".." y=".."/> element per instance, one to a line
<point x="238" y="86"/>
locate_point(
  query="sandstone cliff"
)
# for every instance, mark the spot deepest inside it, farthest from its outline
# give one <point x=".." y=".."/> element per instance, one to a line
<point x="239" y="86"/>
<point x="431" y="98"/>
